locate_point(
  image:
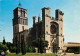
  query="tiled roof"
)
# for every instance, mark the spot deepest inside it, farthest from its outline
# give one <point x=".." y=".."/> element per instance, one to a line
<point x="73" y="43"/>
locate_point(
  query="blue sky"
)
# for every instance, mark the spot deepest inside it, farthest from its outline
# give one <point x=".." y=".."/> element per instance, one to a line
<point x="71" y="21"/>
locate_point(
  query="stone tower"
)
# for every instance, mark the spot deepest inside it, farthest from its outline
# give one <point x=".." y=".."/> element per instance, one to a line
<point x="59" y="20"/>
<point x="53" y="30"/>
<point x="46" y="18"/>
<point x="46" y="21"/>
<point x="20" y="23"/>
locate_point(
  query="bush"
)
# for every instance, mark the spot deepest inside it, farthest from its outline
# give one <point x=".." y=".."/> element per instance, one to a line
<point x="6" y="53"/>
<point x="40" y="43"/>
<point x="3" y="47"/>
<point x="11" y="47"/>
<point x="30" y="49"/>
<point x="1" y="51"/>
<point x="73" y="50"/>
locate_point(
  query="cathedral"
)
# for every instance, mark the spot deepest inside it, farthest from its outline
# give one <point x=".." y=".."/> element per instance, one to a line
<point x="50" y="28"/>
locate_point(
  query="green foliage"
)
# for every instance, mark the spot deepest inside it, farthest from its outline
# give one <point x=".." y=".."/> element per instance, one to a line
<point x="3" y="47"/>
<point x="11" y="47"/>
<point x="6" y="53"/>
<point x="73" y="50"/>
<point x="32" y="54"/>
<point x="17" y="46"/>
<point x="1" y="51"/>
<point x="30" y="49"/>
<point x="23" y="45"/>
<point x="40" y="43"/>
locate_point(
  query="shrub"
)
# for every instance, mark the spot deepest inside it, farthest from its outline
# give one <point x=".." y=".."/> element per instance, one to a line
<point x="30" y="49"/>
<point x="11" y="47"/>
<point x="3" y="47"/>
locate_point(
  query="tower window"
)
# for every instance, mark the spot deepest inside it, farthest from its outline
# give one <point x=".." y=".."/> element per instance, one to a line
<point x="24" y="13"/>
<point x="23" y="28"/>
<point x="21" y="12"/>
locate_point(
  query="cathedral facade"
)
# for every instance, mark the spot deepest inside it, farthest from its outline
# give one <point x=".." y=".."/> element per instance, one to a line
<point x="50" y="28"/>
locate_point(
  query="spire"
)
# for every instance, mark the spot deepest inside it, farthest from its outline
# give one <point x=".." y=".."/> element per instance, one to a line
<point x="19" y="5"/>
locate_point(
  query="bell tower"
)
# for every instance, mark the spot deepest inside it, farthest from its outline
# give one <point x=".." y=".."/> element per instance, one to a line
<point x="20" y="20"/>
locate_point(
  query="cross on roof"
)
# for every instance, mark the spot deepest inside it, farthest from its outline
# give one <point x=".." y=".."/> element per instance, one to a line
<point x="19" y="4"/>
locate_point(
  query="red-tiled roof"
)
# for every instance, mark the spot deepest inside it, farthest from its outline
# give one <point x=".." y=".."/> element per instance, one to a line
<point x="73" y="43"/>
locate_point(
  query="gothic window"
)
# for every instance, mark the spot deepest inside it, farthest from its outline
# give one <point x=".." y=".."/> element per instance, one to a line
<point x="23" y="28"/>
<point x="24" y="21"/>
<point x="21" y="21"/>
<point x="23" y="13"/>
<point x="53" y="29"/>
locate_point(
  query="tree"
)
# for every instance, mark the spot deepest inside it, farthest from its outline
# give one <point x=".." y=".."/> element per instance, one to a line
<point x="17" y="46"/>
<point x="40" y="43"/>
<point x="4" y="41"/>
<point x="23" y="46"/>
<point x="30" y="49"/>
<point x="3" y="48"/>
<point x="11" y="47"/>
<point x="73" y="50"/>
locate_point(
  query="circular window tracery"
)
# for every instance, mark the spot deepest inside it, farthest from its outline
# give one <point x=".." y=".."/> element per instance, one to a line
<point x="53" y="29"/>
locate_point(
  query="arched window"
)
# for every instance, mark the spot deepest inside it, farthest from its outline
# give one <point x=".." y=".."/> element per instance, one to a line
<point x="23" y="28"/>
<point x="23" y="13"/>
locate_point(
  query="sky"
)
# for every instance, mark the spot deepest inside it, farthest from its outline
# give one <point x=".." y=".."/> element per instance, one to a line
<point x="71" y="18"/>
